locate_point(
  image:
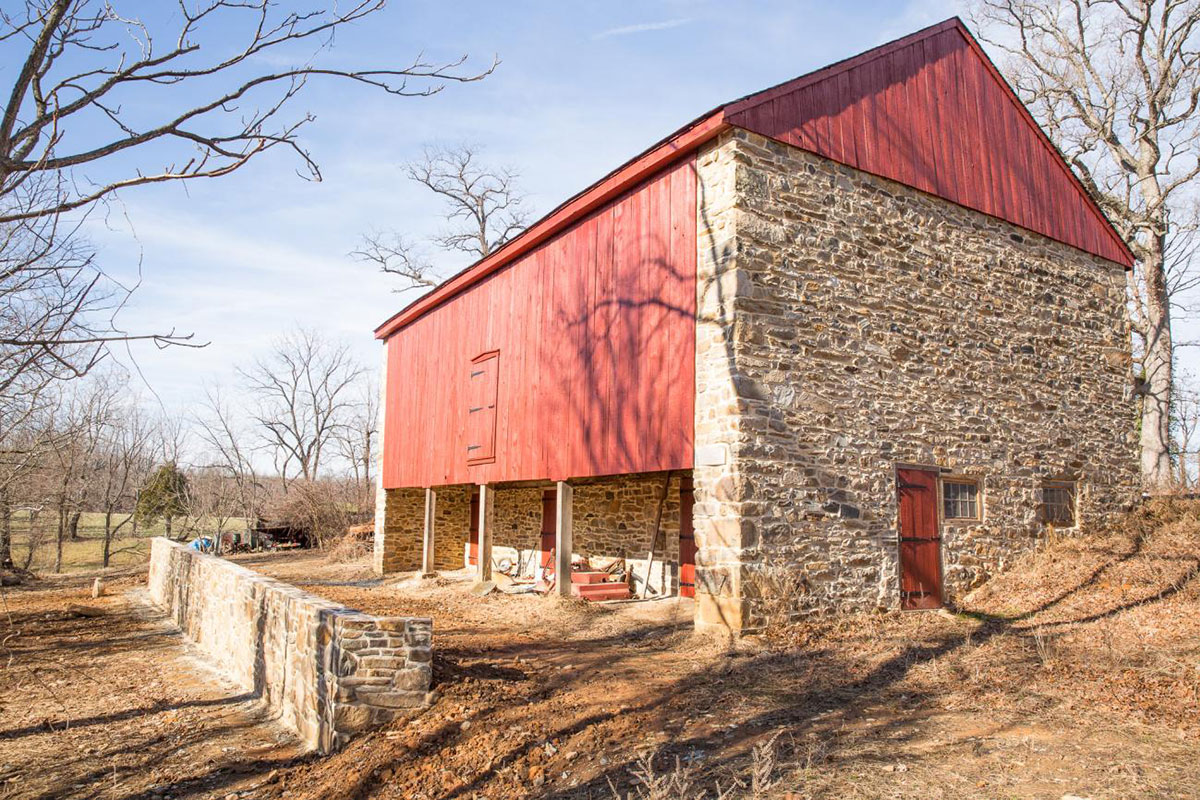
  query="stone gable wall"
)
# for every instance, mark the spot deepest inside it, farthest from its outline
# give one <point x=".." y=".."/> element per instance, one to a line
<point x="847" y="324"/>
<point x="328" y="671"/>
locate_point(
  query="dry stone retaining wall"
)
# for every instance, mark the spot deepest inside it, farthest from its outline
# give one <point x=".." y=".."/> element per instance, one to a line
<point x="847" y="324"/>
<point x="328" y="671"/>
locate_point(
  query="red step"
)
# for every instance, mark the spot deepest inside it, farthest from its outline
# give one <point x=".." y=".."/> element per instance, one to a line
<point x="601" y="591"/>
<point x="588" y="577"/>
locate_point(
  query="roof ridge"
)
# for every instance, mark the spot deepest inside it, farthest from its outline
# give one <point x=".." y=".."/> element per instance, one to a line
<point x="836" y="68"/>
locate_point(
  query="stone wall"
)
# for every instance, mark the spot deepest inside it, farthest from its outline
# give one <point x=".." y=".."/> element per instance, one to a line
<point x="328" y="671"/>
<point x="614" y="518"/>
<point x="400" y="522"/>
<point x="847" y="324"/>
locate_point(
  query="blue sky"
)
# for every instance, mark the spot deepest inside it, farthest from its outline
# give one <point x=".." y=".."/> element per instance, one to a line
<point x="581" y="88"/>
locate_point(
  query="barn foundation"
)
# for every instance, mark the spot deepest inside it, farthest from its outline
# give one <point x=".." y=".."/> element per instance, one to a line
<point x="608" y="518"/>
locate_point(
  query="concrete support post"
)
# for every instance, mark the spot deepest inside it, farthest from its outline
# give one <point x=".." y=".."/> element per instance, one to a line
<point x="564" y="524"/>
<point x="485" y="532"/>
<point x="427" y="555"/>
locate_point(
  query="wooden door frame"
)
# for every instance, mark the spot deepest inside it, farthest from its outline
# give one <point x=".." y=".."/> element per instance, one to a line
<point x="938" y="471"/>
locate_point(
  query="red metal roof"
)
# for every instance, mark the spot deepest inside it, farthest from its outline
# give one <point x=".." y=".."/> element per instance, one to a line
<point x="929" y="110"/>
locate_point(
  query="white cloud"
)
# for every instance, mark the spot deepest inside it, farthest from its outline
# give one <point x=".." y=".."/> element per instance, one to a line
<point x="643" y="27"/>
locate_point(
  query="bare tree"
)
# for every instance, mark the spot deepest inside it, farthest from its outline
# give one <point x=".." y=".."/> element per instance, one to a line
<point x="228" y="453"/>
<point x="483" y="205"/>
<point x="1186" y="422"/>
<point x="125" y="459"/>
<point x="357" y="441"/>
<point x="1116" y="84"/>
<point x="102" y="100"/>
<point x="82" y="421"/>
<point x="22" y="449"/>
<point x="213" y="504"/>
<point x="304" y="392"/>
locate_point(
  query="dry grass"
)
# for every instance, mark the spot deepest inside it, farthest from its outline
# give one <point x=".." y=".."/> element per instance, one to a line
<point x="1073" y="674"/>
<point x="86" y="553"/>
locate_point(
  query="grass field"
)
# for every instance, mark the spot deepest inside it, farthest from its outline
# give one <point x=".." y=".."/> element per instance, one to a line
<point x="87" y="552"/>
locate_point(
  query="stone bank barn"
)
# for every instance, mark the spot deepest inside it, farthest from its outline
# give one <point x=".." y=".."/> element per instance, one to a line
<point x="855" y="339"/>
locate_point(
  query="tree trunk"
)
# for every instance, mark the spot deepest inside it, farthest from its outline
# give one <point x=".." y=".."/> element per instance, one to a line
<point x="1157" y="376"/>
<point x="6" y="561"/>
<point x="35" y="535"/>
<point x="107" y="538"/>
<point x="73" y="526"/>
<point x="58" y="539"/>
<point x="167" y="525"/>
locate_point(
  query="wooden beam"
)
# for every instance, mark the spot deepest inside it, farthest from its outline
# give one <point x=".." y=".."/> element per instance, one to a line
<point x="484" y="564"/>
<point x="564" y="528"/>
<point x="427" y="555"/>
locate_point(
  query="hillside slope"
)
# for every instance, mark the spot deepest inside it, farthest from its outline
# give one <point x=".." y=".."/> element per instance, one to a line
<point x="1113" y="617"/>
<point x="1074" y="673"/>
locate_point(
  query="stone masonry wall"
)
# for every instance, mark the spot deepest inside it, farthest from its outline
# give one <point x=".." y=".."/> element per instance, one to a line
<point x="613" y="516"/>
<point x="401" y="519"/>
<point x="847" y="324"/>
<point x="328" y="671"/>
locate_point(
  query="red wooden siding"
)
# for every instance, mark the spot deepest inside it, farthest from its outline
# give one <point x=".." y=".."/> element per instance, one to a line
<point x="594" y="335"/>
<point x="930" y="111"/>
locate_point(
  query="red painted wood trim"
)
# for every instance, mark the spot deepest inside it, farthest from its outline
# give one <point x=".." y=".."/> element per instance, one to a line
<point x="624" y="178"/>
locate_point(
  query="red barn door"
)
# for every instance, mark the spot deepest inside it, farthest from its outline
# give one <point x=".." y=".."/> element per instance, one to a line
<point x="687" y="541"/>
<point x="920" y="539"/>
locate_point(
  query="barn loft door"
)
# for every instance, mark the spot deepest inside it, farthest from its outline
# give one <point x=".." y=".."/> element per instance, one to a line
<point x="484" y="379"/>
<point x="920" y="539"/>
<point x="687" y="541"/>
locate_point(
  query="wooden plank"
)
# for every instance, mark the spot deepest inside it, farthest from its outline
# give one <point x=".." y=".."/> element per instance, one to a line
<point x="623" y="179"/>
<point x="935" y="115"/>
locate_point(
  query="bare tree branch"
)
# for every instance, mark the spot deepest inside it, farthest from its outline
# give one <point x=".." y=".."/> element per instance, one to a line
<point x="102" y="100"/>
<point x="1116" y="84"/>
<point x="396" y="256"/>
<point x="483" y="205"/>
<point x="304" y="390"/>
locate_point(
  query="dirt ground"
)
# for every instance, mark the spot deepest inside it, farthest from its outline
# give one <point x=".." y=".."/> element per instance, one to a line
<point x="1076" y="674"/>
<point x="117" y="705"/>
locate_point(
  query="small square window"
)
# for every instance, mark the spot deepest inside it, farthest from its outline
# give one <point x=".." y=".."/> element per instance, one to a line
<point x="1058" y="504"/>
<point x="960" y="499"/>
